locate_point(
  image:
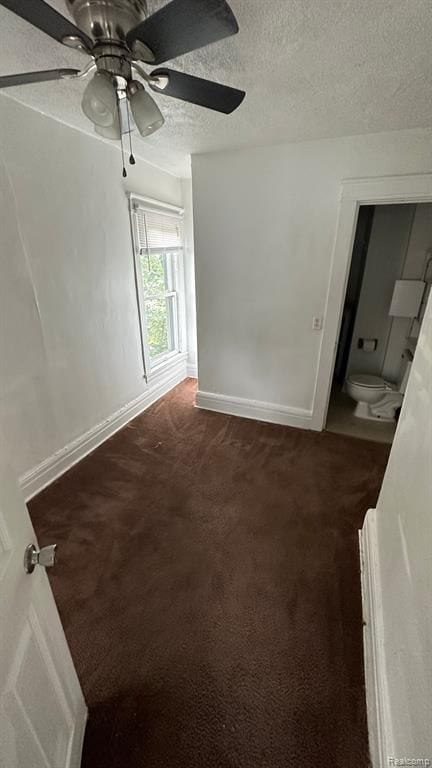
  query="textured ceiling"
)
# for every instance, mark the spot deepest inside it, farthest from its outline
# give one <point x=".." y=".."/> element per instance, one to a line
<point x="311" y="69"/>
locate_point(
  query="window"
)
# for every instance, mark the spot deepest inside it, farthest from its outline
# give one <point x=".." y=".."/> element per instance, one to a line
<point x="158" y="245"/>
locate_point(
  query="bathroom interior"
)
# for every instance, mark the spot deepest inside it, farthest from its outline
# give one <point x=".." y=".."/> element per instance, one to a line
<point x="388" y="287"/>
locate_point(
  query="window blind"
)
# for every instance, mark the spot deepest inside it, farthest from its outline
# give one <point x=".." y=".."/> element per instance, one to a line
<point x="158" y="231"/>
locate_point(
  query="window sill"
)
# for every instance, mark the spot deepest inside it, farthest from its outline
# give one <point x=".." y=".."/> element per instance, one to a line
<point x="169" y="363"/>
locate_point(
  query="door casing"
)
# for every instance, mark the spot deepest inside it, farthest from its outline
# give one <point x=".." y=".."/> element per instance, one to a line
<point x="383" y="190"/>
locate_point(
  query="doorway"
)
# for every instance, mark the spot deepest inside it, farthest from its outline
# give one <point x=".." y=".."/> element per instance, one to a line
<point x="411" y="188"/>
<point x="389" y="281"/>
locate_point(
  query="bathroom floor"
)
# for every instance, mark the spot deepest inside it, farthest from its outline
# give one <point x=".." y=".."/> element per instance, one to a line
<point x="341" y="420"/>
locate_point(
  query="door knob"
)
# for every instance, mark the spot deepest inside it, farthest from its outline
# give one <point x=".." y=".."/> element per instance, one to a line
<point x="33" y="557"/>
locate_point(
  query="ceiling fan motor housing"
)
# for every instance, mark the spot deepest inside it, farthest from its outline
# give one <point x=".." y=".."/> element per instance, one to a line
<point x="108" y="21"/>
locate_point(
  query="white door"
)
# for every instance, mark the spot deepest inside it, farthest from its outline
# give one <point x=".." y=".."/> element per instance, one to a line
<point x="42" y="709"/>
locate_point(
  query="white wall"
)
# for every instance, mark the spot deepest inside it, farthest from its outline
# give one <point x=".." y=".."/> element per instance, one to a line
<point x="403" y="331"/>
<point x="189" y="264"/>
<point x="388" y="244"/>
<point x="70" y="351"/>
<point x="404" y="537"/>
<point x="265" y="223"/>
<point x="400" y="244"/>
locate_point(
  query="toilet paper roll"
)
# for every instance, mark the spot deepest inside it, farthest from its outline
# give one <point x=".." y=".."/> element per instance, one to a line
<point x="369" y="345"/>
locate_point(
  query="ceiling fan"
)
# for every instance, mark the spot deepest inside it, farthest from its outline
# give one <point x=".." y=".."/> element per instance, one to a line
<point x="120" y="37"/>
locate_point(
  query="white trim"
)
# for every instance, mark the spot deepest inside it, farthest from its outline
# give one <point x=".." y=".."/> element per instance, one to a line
<point x="139" y="290"/>
<point x="192" y="370"/>
<point x="354" y="193"/>
<point x="373" y="643"/>
<point x="381" y="190"/>
<point x="169" y="362"/>
<point x="77" y="740"/>
<point x="33" y="481"/>
<point x="255" y="409"/>
<point x="177" y="276"/>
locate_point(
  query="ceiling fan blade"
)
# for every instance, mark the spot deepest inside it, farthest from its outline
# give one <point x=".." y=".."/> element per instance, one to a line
<point x="205" y="93"/>
<point x="8" y="81"/>
<point x="182" y="26"/>
<point x="44" y="17"/>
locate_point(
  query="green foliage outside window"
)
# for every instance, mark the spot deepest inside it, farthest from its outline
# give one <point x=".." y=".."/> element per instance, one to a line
<point x="153" y="267"/>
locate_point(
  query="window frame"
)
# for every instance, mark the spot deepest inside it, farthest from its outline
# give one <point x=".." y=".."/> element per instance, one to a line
<point x="152" y="366"/>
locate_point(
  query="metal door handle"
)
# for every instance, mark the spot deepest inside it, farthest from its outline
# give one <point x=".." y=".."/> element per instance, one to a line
<point x="33" y="557"/>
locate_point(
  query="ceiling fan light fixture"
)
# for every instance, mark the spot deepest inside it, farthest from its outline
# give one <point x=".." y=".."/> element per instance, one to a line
<point x="113" y="132"/>
<point x="120" y="34"/>
<point x="99" y="102"/>
<point x="146" y="113"/>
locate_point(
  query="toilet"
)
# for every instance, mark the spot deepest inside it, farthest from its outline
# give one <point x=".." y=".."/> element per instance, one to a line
<point x="376" y="398"/>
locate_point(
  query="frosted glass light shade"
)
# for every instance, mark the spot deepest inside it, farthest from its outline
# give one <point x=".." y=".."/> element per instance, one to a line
<point x="146" y="113"/>
<point x="99" y="102"/>
<point x="113" y="132"/>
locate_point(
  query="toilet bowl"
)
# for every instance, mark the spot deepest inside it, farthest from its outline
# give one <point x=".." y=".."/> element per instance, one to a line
<point x="376" y="398"/>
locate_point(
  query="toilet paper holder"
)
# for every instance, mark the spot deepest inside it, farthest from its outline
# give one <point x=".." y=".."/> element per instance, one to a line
<point x="368" y="345"/>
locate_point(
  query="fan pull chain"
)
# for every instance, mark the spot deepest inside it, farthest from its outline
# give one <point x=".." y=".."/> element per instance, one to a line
<point x="123" y="158"/>
<point x="131" y="157"/>
<point x="121" y="137"/>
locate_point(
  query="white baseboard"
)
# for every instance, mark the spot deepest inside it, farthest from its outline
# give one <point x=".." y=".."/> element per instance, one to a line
<point x="77" y="741"/>
<point x="373" y="643"/>
<point x="255" y="409"/>
<point x="192" y="370"/>
<point x="33" y="481"/>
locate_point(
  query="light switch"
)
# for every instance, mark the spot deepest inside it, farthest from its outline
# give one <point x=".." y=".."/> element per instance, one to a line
<point x="317" y="324"/>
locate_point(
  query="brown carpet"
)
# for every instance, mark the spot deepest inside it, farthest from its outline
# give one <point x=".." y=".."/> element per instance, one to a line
<point x="208" y="582"/>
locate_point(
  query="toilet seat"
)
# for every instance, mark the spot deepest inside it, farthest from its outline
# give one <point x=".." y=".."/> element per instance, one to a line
<point x="367" y="380"/>
<point x="376" y="398"/>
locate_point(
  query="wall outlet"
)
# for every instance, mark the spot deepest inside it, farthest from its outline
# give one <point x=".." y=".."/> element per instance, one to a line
<point x="317" y="323"/>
